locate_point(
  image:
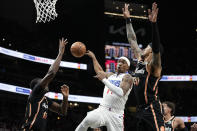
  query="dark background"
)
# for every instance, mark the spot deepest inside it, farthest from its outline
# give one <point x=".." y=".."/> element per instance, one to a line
<point x="85" y="21"/>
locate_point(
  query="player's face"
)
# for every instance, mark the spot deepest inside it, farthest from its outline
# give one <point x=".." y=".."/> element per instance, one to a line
<point x="147" y="54"/>
<point x="122" y="66"/>
<point x="166" y="109"/>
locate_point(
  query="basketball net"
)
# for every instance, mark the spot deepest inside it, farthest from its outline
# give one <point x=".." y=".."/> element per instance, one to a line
<point x="45" y="10"/>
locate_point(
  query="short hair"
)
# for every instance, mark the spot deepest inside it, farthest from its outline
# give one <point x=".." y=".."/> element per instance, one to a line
<point x="34" y="82"/>
<point x="171" y="105"/>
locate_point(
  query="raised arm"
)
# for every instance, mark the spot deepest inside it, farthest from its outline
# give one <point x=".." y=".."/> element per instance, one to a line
<point x="131" y="36"/>
<point x="55" y="66"/>
<point x="61" y="108"/>
<point x="156" y="61"/>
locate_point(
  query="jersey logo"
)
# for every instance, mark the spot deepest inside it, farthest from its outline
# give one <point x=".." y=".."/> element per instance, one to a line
<point x="140" y="71"/>
<point x="115" y="82"/>
<point x="44" y="105"/>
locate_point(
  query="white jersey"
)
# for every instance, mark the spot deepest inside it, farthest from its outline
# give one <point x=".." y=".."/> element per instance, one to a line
<point x="112" y="100"/>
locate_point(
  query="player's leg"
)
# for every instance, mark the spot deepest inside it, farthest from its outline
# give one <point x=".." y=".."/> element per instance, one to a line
<point x="146" y="120"/>
<point x="115" y="122"/>
<point x="157" y="112"/>
<point x="93" y="119"/>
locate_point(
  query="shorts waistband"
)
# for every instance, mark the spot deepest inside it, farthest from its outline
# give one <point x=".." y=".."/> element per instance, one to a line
<point x="112" y="109"/>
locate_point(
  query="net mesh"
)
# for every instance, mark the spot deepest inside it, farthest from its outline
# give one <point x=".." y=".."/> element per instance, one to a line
<point x="45" y="10"/>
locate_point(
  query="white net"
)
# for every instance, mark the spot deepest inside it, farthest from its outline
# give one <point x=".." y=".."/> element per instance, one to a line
<point x="45" y="10"/>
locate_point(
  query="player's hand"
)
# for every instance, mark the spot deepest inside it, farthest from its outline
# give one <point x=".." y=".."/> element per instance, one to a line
<point x="62" y="44"/>
<point x="125" y="11"/>
<point x="101" y="75"/>
<point x="65" y="90"/>
<point x="194" y="127"/>
<point x="90" y="54"/>
<point x="152" y="15"/>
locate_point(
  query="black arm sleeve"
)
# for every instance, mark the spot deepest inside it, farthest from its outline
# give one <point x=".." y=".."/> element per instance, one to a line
<point x="155" y="38"/>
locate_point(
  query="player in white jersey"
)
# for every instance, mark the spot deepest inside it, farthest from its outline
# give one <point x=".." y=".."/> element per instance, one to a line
<point x="110" y="112"/>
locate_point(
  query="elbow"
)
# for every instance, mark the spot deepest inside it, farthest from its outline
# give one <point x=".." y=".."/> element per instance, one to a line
<point x="51" y="73"/>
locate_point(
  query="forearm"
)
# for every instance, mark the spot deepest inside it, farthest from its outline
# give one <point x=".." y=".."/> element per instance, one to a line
<point x="97" y="66"/>
<point x="131" y="36"/>
<point x="55" y="66"/>
<point x="117" y="90"/>
<point x="64" y="105"/>
<point x="155" y="38"/>
<point x="156" y="61"/>
<point x="130" y="30"/>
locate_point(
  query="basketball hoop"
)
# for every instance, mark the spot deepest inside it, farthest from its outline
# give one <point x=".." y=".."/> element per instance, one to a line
<point x="45" y="10"/>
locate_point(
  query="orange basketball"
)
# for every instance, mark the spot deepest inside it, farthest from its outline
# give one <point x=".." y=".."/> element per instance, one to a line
<point x="78" y="49"/>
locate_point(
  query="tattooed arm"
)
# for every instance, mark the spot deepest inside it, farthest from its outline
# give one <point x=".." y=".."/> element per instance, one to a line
<point x="130" y="33"/>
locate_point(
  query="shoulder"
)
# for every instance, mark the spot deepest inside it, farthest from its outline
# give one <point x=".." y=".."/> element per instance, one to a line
<point x="179" y="122"/>
<point x="178" y="119"/>
<point x="128" y="78"/>
<point x="154" y="70"/>
<point x="37" y="93"/>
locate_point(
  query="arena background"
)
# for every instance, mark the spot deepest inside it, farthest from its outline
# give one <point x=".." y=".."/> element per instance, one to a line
<point x="85" y="21"/>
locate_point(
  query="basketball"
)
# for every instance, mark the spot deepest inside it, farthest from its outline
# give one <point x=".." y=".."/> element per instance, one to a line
<point x="78" y="49"/>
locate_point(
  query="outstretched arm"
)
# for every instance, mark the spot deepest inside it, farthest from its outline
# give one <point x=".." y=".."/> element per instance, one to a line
<point x="97" y="66"/>
<point x="131" y="36"/>
<point x="55" y="66"/>
<point x="156" y="61"/>
<point x="61" y="108"/>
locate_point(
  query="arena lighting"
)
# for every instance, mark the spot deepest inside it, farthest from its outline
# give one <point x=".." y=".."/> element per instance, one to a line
<point x="39" y="59"/>
<point x="52" y="95"/>
<point x="83" y="66"/>
<point x="179" y="78"/>
<point x="132" y="16"/>
<point x="74" y="98"/>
